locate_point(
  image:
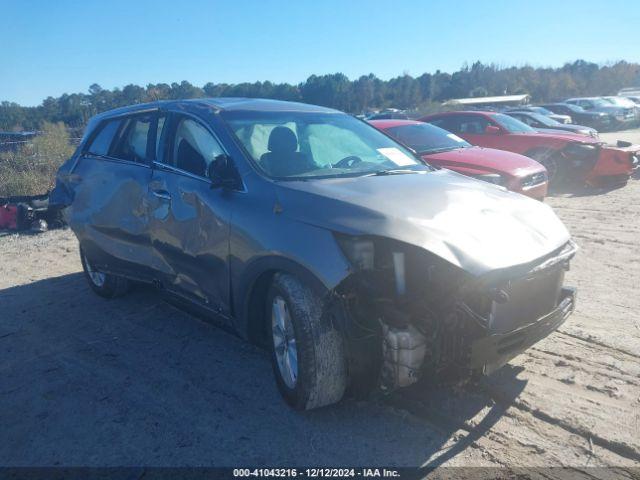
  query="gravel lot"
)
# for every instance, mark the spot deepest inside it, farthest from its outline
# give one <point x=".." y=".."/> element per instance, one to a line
<point x="134" y="381"/>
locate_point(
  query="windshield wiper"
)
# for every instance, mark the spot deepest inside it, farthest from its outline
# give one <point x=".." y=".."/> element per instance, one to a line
<point x="391" y="171"/>
<point x="439" y="150"/>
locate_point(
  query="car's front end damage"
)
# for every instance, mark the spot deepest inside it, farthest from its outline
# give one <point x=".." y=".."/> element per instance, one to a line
<point x="599" y="164"/>
<point x="412" y="314"/>
<point x="445" y="275"/>
<point x="614" y="165"/>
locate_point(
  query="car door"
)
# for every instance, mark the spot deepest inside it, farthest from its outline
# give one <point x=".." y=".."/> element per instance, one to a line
<point x="586" y="104"/>
<point x="108" y="213"/>
<point x="473" y="129"/>
<point x="189" y="220"/>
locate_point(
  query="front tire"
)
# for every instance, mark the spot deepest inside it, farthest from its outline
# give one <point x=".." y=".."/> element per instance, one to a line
<point x="104" y="284"/>
<point x="307" y="352"/>
<point x="547" y="158"/>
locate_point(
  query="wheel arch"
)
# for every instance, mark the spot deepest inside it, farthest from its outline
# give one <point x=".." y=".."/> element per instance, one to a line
<point x="541" y="149"/>
<point x="253" y="286"/>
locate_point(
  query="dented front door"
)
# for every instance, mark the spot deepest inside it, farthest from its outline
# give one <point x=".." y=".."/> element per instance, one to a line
<point x="189" y="221"/>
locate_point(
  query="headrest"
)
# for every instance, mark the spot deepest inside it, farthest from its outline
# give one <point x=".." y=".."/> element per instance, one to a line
<point x="139" y="143"/>
<point x="282" y="140"/>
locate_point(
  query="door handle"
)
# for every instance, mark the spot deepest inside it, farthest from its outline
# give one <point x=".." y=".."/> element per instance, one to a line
<point x="162" y="194"/>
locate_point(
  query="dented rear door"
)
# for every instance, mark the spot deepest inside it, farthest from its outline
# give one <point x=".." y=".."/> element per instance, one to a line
<point x="109" y="183"/>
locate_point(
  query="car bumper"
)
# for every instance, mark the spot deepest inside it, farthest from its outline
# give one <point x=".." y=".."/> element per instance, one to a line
<point x="492" y="352"/>
<point x="537" y="192"/>
<point x="614" y="162"/>
<point x="534" y="184"/>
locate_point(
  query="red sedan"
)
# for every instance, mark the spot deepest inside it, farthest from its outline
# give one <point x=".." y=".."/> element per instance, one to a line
<point x="444" y="149"/>
<point x="566" y="156"/>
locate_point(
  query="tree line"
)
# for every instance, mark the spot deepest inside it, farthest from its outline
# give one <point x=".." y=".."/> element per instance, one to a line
<point x="423" y="93"/>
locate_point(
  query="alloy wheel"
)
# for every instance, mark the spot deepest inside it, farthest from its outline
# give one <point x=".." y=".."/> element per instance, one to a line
<point x="97" y="278"/>
<point x="284" y="341"/>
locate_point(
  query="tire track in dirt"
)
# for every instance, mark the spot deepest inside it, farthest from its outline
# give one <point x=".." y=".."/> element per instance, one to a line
<point x="619" y="448"/>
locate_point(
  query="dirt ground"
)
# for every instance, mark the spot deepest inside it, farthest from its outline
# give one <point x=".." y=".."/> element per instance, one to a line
<point x="134" y="381"/>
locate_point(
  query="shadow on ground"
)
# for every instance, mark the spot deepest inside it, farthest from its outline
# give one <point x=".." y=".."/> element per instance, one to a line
<point x="579" y="190"/>
<point x="134" y="381"/>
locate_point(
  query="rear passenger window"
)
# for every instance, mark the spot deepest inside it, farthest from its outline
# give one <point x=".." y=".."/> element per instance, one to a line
<point x="101" y="142"/>
<point x="132" y="146"/>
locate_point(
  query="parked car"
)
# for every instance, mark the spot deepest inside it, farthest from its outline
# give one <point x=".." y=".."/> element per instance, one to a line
<point x="13" y="141"/>
<point x="544" y="124"/>
<point x="625" y="102"/>
<point x="635" y="99"/>
<point x="629" y="91"/>
<point x="597" y="120"/>
<point x="443" y="149"/>
<point x="623" y="116"/>
<point x="312" y="232"/>
<point x="560" y="118"/>
<point x="566" y="156"/>
<point x="388" y="115"/>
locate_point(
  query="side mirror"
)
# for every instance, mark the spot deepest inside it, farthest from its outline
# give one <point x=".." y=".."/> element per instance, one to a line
<point x="221" y="172"/>
<point x="492" y="130"/>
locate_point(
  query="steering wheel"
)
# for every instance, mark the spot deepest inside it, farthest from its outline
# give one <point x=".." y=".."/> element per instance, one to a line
<point x="347" y="162"/>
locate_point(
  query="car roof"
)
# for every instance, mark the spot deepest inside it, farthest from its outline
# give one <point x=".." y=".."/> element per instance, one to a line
<point x="393" y="123"/>
<point x="464" y="112"/>
<point x="223" y="104"/>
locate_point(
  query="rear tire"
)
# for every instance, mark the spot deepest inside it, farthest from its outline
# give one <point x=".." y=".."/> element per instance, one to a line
<point x="104" y="284"/>
<point x="307" y="352"/>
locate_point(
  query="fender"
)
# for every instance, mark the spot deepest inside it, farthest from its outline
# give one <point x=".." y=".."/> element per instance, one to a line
<point x="244" y="312"/>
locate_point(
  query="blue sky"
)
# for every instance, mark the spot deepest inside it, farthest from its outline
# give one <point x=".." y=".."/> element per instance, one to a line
<point x="53" y="47"/>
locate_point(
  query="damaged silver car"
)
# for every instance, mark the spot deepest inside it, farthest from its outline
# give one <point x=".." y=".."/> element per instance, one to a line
<point x="310" y="232"/>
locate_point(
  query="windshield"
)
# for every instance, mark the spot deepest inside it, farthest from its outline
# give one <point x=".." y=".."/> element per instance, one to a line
<point x="599" y="102"/>
<point x="290" y="145"/>
<point x="541" y="111"/>
<point x="511" y="125"/>
<point x="620" y="102"/>
<point x="575" y="108"/>
<point x="426" y="138"/>
<point x="549" y="122"/>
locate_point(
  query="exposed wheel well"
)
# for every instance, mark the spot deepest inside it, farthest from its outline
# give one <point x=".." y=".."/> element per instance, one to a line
<point x="256" y="310"/>
<point x="538" y="150"/>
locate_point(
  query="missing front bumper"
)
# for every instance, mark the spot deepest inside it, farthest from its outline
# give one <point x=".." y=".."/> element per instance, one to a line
<point x="492" y="352"/>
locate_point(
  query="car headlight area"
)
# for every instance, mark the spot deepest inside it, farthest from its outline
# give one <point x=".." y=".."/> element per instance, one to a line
<point x="414" y="314"/>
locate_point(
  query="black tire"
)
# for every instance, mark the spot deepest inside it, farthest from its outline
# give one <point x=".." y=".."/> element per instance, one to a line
<point x="321" y="376"/>
<point x="548" y="159"/>
<point x="111" y="286"/>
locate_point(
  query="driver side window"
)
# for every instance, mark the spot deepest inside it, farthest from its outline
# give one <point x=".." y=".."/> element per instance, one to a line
<point x="193" y="147"/>
<point x="474" y="125"/>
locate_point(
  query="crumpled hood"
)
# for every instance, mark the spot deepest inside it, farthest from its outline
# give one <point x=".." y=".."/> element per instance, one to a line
<point x="472" y="224"/>
<point x="562" y="135"/>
